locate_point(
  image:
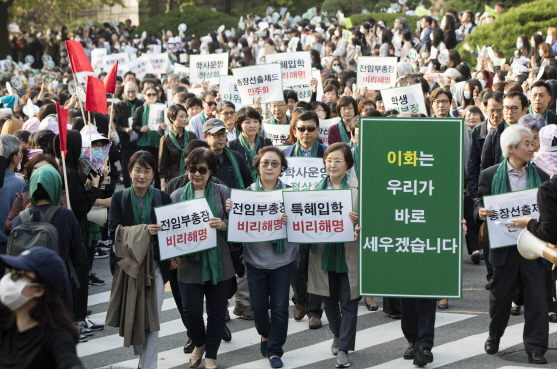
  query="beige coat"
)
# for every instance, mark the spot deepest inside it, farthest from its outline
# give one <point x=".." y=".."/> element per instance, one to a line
<point x="318" y="280"/>
<point x="133" y="297"/>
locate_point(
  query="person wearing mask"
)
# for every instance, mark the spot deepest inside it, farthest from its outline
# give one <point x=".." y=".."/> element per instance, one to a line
<point x="36" y="328"/>
<point x="209" y="110"/>
<point x="172" y="145"/>
<point x="424" y="41"/>
<point x="205" y="275"/>
<point x="278" y="111"/>
<point x="225" y="112"/>
<point x="514" y="173"/>
<point x="540" y="98"/>
<point x="347" y="108"/>
<point x="472" y="89"/>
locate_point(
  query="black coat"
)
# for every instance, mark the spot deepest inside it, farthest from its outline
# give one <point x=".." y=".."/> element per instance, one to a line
<point x="491" y="152"/>
<point x="235" y="145"/>
<point x="225" y="172"/>
<point x="551" y="118"/>
<point x="125" y="114"/>
<point x="546" y="228"/>
<point x="477" y="140"/>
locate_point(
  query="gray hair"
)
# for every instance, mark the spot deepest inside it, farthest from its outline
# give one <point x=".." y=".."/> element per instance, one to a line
<point x="512" y="136"/>
<point x="532" y="121"/>
<point x="10" y="146"/>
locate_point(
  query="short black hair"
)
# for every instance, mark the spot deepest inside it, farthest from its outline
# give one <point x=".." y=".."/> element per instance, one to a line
<point x="207" y="93"/>
<point x="245" y="113"/>
<point x="173" y="111"/>
<point x="194" y="101"/>
<point x="225" y="104"/>
<point x="541" y="83"/>
<point x="144" y="159"/>
<point x="290" y="94"/>
<point x="495" y="95"/>
<point x="22" y="135"/>
<point x="179" y="89"/>
<point x="523" y="99"/>
<point x="348" y="158"/>
<point x="307" y="116"/>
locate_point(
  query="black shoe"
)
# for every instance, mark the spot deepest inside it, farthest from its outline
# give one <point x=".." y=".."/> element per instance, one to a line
<point x="515" y="310"/>
<point x="536" y="358"/>
<point x="100" y="254"/>
<point x="410" y="351"/>
<point x="422" y="356"/>
<point x="488" y="284"/>
<point x="263" y="347"/>
<point x="189" y="346"/>
<point x="226" y="315"/>
<point x="95" y="281"/>
<point x="553" y="318"/>
<point x="371" y="307"/>
<point x="492" y="345"/>
<point x="395" y="316"/>
<point x="444" y="306"/>
<point x="88" y="312"/>
<point x="227" y="335"/>
<point x="475" y="257"/>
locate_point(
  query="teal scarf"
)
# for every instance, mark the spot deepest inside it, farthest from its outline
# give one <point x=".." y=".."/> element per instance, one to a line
<point x="211" y="258"/>
<point x="299" y="153"/>
<point x="145" y="216"/>
<point x="203" y="116"/>
<point x="343" y="134"/>
<point x="274" y="121"/>
<point x="181" y="148"/>
<point x="149" y="138"/>
<point x="251" y="153"/>
<point x="278" y="245"/>
<point x="531" y="111"/>
<point x="237" y="175"/>
<point x="499" y="184"/>
<point x="356" y="155"/>
<point x="334" y="259"/>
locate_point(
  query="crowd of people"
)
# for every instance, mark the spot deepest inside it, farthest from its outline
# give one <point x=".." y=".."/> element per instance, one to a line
<point x="212" y="147"/>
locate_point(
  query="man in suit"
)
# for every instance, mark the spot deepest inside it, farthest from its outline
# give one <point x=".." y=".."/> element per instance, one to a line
<point x="515" y="173"/>
<point x="424" y="40"/>
<point x="540" y="97"/>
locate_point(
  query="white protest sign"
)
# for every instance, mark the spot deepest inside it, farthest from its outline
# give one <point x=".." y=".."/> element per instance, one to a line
<point x="319" y="216"/>
<point x="5" y="64"/>
<point x="181" y="70"/>
<point x="278" y="133"/>
<point x="156" y="116"/>
<point x="256" y="216"/>
<point x="256" y="81"/>
<point x="324" y="126"/>
<point x="130" y="50"/>
<point x="229" y="91"/>
<point x="81" y="77"/>
<point x="159" y="62"/>
<point x="376" y="73"/>
<point x="196" y="91"/>
<point x="433" y="52"/>
<point x="140" y="66"/>
<point x="208" y="67"/>
<point x="507" y="206"/>
<point x="317" y="75"/>
<point x="405" y="99"/>
<point x="295" y="67"/>
<point x="303" y="172"/>
<point x="16" y="82"/>
<point x="185" y="228"/>
<point x="109" y="60"/>
<point x="303" y="92"/>
<point x="97" y="56"/>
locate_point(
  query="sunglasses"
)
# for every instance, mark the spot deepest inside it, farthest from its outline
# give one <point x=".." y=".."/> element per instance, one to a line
<point x="211" y="103"/>
<point x="303" y="129"/>
<point x="201" y="170"/>
<point x="151" y="95"/>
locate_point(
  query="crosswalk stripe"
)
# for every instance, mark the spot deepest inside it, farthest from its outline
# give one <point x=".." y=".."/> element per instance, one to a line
<point x="98" y="298"/>
<point x="465" y="348"/>
<point x="364" y="339"/>
<point x="240" y="340"/>
<point x="167" y="304"/>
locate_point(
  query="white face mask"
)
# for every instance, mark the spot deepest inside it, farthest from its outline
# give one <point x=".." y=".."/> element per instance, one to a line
<point x="424" y="56"/>
<point x="261" y="44"/>
<point x="10" y="292"/>
<point x="362" y="30"/>
<point x="495" y="80"/>
<point x="77" y="39"/>
<point x="336" y="68"/>
<point x="282" y="48"/>
<point x="483" y="82"/>
<point x="230" y="45"/>
<point x="336" y="33"/>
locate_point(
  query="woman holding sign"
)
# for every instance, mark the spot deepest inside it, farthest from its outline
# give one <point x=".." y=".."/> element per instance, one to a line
<point x="333" y="268"/>
<point x="205" y="275"/>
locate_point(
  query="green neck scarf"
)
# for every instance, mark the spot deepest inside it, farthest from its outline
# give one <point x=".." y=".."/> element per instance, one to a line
<point x="132" y="107"/>
<point x="299" y="153"/>
<point x="356" y="155"/>
<point x="203" y="116"/>
<point x="211" y="258"/>
<point x="334" y="259"/>
<point x="343" y="134"/>
<point x="274" y="121"/>
<point x="50" y="180"/>
<point x="149" y="138"/>
<point x="499" y="184"/>
<point x="181" y="148"/>
<point x="145" y="216"/>
<point x="278" y="245"/>
<point x="531" y="111"/>
<point x="237" y="175"/>
<point x="251" y="153"/>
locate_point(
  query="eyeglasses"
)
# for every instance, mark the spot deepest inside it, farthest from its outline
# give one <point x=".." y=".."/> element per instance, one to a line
<point x="441" y="102"/>
<point x="513" y="109"/>
<point x="274" y="164"/>
<point x="303" y="129"/>
<point x="336" y="162"/>
<point x="210" y="103"/>
<point x="227" y="113"/>
<point x="138" y="173"/>
<point x="150" y="95"/>
<point x="217" y="135"/>
<point x="18" y="273"/>
<point x="201" y="170"/>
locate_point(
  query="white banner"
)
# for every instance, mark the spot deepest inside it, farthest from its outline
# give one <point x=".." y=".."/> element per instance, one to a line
<point x="319" y="216"/>
<point x="140" y="66"/>
<point x="156" y="116"/>
<point x="376" y="73"/>
<point x="208" y="67"/>
<point x="324" y="125"/>
<point x="317" y="75"/>
<point x="185" y="228"/>
<point x="181" y="70"/>
<point x="255" y="216"/>
<point x="109" y="60"/>
<point x="97" y="56"/>
<point x="278" y="133"/>
<point x="507" y="206"/>
<point x="303" y="172"/>
<point x="405" y="99"/>
<point x="159" y="62"/>
<point x="295" y="67"/>
<point x="229" y="91"/>
<point x="256" y="81"/>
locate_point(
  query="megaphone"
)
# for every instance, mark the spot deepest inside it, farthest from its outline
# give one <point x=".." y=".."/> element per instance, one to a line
<point x="531" y="247"/>
<point x="98" y="215"/>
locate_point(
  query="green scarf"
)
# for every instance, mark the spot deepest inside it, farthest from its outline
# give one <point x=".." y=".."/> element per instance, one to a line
<point x="356" y="155"/>
<point x="132" y="107"/>
<point x="175" y="142"/>
<point x="499" y="184"/>
<point x="251" y="153"/>
<point x="50" y="179"/>
<point x="334" y="259"/>
<point x="211" y="258"/>
<point x="299" y="153"/>
<point x="149" y="138"/>
<point x="531" y="111"/>
<point x="343" y="134"/>
<point x="274" y="121"/>
<point x="145" y="216"/>
<point x="203" y="116"/>
<point x="237" y="175"/>
<point x="278" y="245"/>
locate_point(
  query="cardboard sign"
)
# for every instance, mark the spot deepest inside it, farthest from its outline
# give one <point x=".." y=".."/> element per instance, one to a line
<point x="324" y="125"/>
<point x="319" y="216"/>
<point x="97" y="56"/>
<point x="303" y="172"/>
<point x="159" y="62"/>
<point x="208" y="67"/>
<point x="140" y="66"/>
<point x="229" y="91"/>
<point x="295" y="67"/>
<point x="109" y="60"/>
<point x="278" y="133"/>
<point x="185" y="228"/>
<point x="376" y="73"/>
<point x="256" y="81"/>
<point x="405" y="99"/>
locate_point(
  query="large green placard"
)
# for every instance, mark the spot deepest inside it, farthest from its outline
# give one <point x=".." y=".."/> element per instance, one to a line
<point x="411" y="179"/>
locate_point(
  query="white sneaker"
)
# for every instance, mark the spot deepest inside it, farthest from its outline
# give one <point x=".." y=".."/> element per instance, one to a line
<point x="83" y="329"/>
<point x="92" y="326"/>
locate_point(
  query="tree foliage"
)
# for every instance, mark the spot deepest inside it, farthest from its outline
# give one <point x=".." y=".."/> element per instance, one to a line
<point x="350" y="7"/>
<point x="479" y="5"/>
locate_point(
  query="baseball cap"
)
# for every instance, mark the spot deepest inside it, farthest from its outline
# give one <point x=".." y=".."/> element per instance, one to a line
<point x="213" y="125"/>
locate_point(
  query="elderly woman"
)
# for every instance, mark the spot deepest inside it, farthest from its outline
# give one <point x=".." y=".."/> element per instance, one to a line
<point x="535" y="122"/>
<point x="333" y="269"/>
<point x="205" y="275"/>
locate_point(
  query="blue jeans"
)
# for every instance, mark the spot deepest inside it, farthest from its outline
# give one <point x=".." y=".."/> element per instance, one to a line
<point x="269" y="289"/>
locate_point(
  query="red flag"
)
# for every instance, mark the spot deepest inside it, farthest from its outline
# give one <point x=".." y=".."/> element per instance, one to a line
<point x="95" y="99"/>
<point x="110" y="79"/>
<point x="78" y="59"/>
<point x="62" y="126"/>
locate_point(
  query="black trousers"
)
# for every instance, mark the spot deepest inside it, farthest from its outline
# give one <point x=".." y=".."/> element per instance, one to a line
<point x="125" y="155"/>
<point x="472" y="242"/>
<point x="81" y="295"/>
<point x="391" y="305"/>
<point x="418" y="320"/>
<point x="175" y="287"/>
<point x="536" y="325"/>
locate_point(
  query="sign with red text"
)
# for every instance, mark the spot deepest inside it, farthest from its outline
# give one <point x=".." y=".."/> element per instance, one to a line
<point x="159" y="62"/>
<point x="97" y="56"/>
<point x="376" y="73"/>
<point x="295" y="67"/>
<point x="208" y="68"/>
<point x="262" y="81"/>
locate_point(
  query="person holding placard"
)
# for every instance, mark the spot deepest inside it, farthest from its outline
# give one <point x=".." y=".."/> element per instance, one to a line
<point x="209" y="110"/>
<point x="205" y="275"/>
<point x="269" y="265"/>
<point x="333" y="268"/>
<point x="515" y="173"/>
<point x="347" y="108"/>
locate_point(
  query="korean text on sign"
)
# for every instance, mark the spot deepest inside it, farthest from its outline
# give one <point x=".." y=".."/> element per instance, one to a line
<point x="303" y="172"/>
<point x="295" y="66"/>
<point x="229" y="91"/>
<point x="404" y="244"/>
<point x="324" y="126"/>
<point x="259" y="81"/>
<point x="405" y="99"/>
<point x="208" y="67"/>
<point x="140" y="66"/>
<point x="278" y="133"/>
<point x="319" y="216"/>
<point x="376" y="73"/>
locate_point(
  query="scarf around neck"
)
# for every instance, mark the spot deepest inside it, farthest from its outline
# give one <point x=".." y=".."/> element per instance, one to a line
<point x="299" y="152"/>
<point x="499" y="183"/>
<point x="145" y="216"/>
<point x="150" y="138"/>
<point x="251" y="154"/>
<point x="180" y="148"/>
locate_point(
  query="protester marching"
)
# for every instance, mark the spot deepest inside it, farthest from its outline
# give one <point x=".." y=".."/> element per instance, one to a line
<point x="291" y="166"/>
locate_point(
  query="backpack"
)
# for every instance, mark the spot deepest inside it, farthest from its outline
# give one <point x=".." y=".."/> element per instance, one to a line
<point x="42" y="233"/>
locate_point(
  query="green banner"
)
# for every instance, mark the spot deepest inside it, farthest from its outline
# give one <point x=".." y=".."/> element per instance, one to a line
<point x="411" y="192"/>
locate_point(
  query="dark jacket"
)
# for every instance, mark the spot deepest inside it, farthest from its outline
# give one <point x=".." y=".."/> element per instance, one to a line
<point x="170" y="155"/>
<point x="491" y="152"/>
<point x="551" y="118"/>
<point x="334" y="133"/>
<point x="235" y="145"/>
<point x="225" y="172"/>
<point x="125" y="114"/>
<point x="546" y="228"/>
<point x="497" y="256"/>
<point x="477" y="140"/>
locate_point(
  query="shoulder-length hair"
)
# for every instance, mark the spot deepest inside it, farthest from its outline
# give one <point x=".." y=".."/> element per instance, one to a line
<point x="266" y="149"/>
<point x="245" y="113"/>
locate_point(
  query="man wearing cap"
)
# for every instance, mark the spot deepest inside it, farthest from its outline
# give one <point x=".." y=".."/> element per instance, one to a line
<point x="209" y="110"/>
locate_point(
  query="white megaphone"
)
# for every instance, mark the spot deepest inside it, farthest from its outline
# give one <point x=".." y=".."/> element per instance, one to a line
<point x="531" y="247"/>
<point x="98" y="215"/>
